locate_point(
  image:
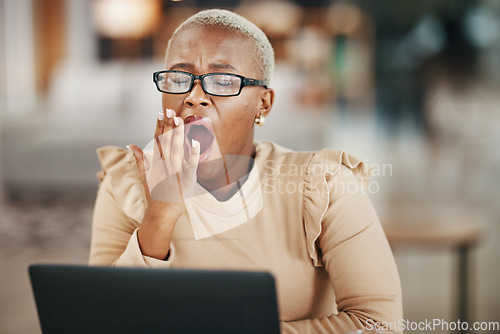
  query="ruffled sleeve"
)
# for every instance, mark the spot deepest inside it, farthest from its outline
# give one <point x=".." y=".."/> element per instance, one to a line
<point x="324" y="166"/>
<point x="119" y="166"/>
<point x="119" y="209"/>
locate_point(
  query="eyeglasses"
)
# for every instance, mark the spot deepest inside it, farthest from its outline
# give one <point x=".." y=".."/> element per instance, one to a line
<point x="216" y="84"/>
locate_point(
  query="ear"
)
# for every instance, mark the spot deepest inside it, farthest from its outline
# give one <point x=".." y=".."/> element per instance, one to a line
<point x="266" y="102"/>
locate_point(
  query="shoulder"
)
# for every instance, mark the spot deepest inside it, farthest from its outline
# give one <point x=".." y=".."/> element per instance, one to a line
<point x="323" y="164"/>
<point x="120" y="178"/>
<point x="337" y="165"/>
<point x="279" y="159"/>
<point x="113" y="158"/>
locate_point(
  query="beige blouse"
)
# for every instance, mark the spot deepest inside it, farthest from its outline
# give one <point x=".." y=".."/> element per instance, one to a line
<point x="316" y="231"/>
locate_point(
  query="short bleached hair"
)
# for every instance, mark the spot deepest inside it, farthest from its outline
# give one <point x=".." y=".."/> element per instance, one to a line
<point x="237" y="23"/>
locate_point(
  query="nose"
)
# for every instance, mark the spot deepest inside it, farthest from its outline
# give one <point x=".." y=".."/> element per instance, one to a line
<point x="197" y="96"/>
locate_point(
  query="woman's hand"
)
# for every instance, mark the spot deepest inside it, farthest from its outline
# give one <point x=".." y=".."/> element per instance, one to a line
<point x="167" y="179"/>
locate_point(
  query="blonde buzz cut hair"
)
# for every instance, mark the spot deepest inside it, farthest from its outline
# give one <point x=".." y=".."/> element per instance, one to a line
<point x="237" y="23"/>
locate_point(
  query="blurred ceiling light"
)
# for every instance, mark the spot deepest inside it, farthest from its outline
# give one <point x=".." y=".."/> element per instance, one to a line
<point x="428" y="36"/>
<point x="126" y="18"/>
<point x="482" y="27"/>
<point x="426" y="39"/>
<point x="344" y="18"/>
<point x="311" y="48"/>
<point x="276" y="18"/>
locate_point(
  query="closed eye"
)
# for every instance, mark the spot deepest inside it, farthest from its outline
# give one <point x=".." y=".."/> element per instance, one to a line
<point x="224" y="81"/>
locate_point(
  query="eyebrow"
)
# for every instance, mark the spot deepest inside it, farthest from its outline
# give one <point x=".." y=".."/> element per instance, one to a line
<point x="221" y="66"/>
<point x="214" y="66"/>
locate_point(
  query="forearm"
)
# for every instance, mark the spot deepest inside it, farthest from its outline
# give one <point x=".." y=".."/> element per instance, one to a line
<point x="155" y="233"/>
<point x="358" y="313"/>
<point x="340" y="323"/>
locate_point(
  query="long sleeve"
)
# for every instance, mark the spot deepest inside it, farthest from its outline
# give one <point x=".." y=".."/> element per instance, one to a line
<point x="119" y="208"/>
<point x="347" y="238"/>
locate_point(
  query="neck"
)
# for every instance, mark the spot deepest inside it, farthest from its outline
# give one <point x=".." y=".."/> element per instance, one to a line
<point x="233" y="175"/>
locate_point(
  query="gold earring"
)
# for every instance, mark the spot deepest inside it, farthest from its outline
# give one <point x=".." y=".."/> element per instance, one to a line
<point x="260" y="120"/>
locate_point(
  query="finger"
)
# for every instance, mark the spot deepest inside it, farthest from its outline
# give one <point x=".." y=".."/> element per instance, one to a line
<point x="142" y="165"/>
<point x="160" y="123"/>
<point x="177" y="148"/>
<point x="194" y="154"/>
<point x="167" y="134"/>
<point x="169" y="119"/>
<point x="157" y="160"/>
<point x="188" y="177"/>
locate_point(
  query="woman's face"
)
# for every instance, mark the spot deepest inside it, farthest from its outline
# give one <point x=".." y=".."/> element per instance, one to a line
<point x="200" y="50"/>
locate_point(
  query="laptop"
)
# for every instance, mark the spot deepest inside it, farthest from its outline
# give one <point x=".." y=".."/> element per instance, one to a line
<point x="84" y="299"/>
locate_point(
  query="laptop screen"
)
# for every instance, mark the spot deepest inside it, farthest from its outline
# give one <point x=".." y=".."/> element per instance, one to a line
<point x="83" y="299"/>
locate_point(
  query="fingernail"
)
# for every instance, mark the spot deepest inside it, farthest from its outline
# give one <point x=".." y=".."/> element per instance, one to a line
<point x="129" y="149"/>
<point x="169" y="113"/>
<point x="161" y="117"/>
<point x="194" y="143"/>
<point x="176" y="121"/>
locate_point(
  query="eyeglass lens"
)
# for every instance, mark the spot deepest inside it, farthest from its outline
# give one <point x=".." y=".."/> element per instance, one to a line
<point x="216" y="84"/>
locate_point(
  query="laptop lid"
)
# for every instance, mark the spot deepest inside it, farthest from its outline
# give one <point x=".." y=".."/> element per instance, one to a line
<point x="84" y="299"/>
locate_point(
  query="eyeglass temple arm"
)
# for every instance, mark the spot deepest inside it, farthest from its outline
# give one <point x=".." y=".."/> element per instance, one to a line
<point x="253" y="82"/>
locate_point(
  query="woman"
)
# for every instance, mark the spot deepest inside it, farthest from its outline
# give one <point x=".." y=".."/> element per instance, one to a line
<point x="208" y="196"/>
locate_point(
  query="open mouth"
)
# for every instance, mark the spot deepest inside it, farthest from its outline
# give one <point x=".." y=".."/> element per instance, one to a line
<point x="202" y="135"/>
<point x="200" y="129"/>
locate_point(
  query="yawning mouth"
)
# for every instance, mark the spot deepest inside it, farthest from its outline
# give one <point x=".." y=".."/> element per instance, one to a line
<point x="202" y="135"/>
<point x="199" y="128"/>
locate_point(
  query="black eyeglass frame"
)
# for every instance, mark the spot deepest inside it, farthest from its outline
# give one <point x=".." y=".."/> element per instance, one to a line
<point x="244" y="82"/>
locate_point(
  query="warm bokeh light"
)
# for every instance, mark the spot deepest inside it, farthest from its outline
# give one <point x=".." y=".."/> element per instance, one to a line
<point x="276" y="18"/>
<point x="344" y="18"/>
<point x="126" y="18"/>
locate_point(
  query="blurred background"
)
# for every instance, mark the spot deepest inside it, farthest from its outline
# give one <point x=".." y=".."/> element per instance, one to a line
<point x="411" y="87"/>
